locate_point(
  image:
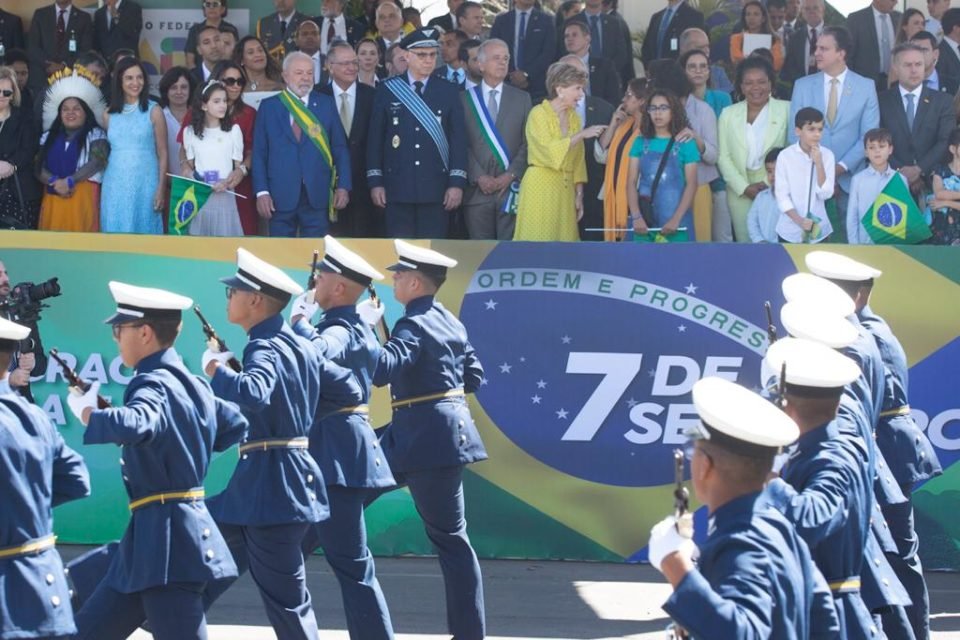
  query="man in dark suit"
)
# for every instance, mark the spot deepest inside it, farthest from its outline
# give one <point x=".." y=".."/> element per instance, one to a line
<point x="389" y="31"/>
<point x="58" y="34"/>
<point x="11" y="33"/>
<point x="610" y="39"/>
<point x="354" y="101"/>
<point x="308" y="41"/>
<point x="919" y="119"/>
<point x="117" y="25"/>
<point x="531" y="36"/>
<point x="334" y="24"/>
<point x="470" y="18"/>
<point x="931" y="55"/>
<point x="292" y="178"/>
<point x="799" y="60"/>
<point x="602" y="79"/>
<point x="948" y="66"/>
<point x="277" y="31"/>
<point x="663" y="32"/>
<point x="453" y="68"/>
<point x="490" y="183"/>
<point x="448" y="21"/>
<point x="417" y="146"/>
<point x="593" y="111"/>
<point x="874" y="30"/>
<point x="210" y="52"/>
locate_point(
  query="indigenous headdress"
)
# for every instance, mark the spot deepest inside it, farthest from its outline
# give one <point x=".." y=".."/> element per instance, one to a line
<point x="76" y="82"/>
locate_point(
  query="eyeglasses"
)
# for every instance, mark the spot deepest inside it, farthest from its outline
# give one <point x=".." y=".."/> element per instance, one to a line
<point x="348" y="63"/>
<point x="230" y="292"/>
<point x="233" y="82"/>
<point x="6" y="93"/>
<point x="118" y="329"/>
<point x="654" y="108"/>
<point x="212" y="5"/>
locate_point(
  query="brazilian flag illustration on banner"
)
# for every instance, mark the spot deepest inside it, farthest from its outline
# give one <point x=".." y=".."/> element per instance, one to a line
<point x="894" y="217"/>
<point x="187" y="197"/>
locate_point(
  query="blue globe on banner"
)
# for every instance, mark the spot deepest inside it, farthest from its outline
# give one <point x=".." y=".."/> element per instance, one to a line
<point x="890" y="214"/>
<point x="590" y="355"/>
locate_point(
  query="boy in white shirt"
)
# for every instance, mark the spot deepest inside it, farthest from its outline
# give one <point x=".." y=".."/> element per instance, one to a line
<point x="804" y="182"/>
<point x="764" y="213"/>
<point x="869" y="183"/>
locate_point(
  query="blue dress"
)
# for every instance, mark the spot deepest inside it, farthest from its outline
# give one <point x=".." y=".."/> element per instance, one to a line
<point x="130" y="179"/>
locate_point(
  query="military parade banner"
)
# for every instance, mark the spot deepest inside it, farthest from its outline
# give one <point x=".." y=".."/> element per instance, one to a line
<point x="589" y="351"/>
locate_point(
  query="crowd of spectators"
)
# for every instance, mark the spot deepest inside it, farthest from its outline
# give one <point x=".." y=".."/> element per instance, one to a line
<point x="591" y="150"/>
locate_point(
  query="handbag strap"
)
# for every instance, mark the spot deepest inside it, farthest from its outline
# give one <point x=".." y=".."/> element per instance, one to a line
<point x="660" y="169"/>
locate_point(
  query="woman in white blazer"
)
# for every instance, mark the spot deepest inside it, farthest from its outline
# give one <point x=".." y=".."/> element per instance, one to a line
<point x="747" y="131"/>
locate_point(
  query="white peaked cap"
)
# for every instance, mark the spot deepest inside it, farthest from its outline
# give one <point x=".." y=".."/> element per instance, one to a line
<point x="806" y="320"/>
<point x="827" y="296"/>
<point x="12" y="331"/>
<point x="811" y="364"/>
<point x="145" y="303"/>
<point x="835" y="266"/>
<point x="342" y="261"/>
<point x="254" y="274"/>
<point x="741" y="415"/>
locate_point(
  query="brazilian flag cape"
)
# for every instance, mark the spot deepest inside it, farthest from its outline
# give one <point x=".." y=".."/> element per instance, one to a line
<point x="894" y="217"/>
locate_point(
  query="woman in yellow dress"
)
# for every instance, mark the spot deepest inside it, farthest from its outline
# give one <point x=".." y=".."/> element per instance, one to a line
<point x="551" y="193"/>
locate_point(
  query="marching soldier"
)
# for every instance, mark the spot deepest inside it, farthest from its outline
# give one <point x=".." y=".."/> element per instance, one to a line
<point x="277" y="490"/>
<point x="908" y="452"/>
<point x="168" y="427"/>
<point x="754" y="577"/>
<point x="430" y="365"/>
<point x="278" y="31"/>
<point x="37" y="472"/>
<point x="342" y="441"/>
<point x="417" y="146"/>
<point x="824" y="488"/>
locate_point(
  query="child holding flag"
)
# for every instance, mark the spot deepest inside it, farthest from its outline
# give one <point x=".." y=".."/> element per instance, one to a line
<point x="868" y="184"/>
<point x="214" y="149"/>
<point x="945" y="223"/>
<point x="805" y="178"/>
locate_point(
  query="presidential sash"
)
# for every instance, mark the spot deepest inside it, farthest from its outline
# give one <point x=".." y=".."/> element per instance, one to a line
<point x="312" y="128"/>
<point x="414" y="103"/>
<point x="498" y="147"/>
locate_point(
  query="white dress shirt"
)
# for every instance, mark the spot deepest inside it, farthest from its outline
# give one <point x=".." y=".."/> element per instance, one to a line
<point x="842" y="77"/>
<point x="916" y="97"/>
<point x="793" y="191"/>
<point x="339" y="27"/>
<point x="109" y="15"/>
<point x="351" y="93"/>
<point x="883" y="21"/>
<point x="486" y="89"/>
<point x="516" y="28"/>
<point x="317" y="67"/>
<point x="756" y="134"/>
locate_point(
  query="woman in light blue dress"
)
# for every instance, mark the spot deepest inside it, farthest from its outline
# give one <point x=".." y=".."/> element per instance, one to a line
<point x="131" y="200"/>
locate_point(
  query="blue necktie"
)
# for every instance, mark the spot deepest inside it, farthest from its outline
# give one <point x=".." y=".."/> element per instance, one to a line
<point x="911" y="110"/>
<point x="596" y="44"/>
<point x="662" y="33"/>
<point x="520" y="39"/>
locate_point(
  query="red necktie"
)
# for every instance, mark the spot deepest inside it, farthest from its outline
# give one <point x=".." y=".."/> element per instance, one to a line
<point x="297" y="131"/>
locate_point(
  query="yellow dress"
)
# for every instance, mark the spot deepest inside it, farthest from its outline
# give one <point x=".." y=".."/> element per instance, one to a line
<point x="546" y="209"/>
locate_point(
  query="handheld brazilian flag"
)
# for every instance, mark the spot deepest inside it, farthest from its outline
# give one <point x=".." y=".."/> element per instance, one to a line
<point x="654" y="236"/>
<point x="894" y="217"/>
<point x="187" y="197"/>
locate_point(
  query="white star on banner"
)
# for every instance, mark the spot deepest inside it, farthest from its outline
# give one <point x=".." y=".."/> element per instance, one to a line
<point x="565" y="339"/>
<point x="682" y="328"/>
<point x="562" y="414"/>
<point x="483" y="382"/>
<point x="541" y="384"/>
<point x="691" y="289"/>
<point x="491" y="305"/>
<point x="632" y="403"/>
<point x="505" y="368"/>
<point x="536" y="399"/>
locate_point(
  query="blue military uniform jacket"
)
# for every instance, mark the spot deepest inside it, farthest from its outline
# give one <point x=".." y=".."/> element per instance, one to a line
<point x="37" y="472"/>
<point x="342" y="440"/>
<point x="169" y="427"/>
<point x="401" y="154"/>
<point x="278" y="392"/>
<point x="429" y="353"/>
<point x="755" y="579"/>
<point x="823" y="491"/>
<point x="906" y="448"/>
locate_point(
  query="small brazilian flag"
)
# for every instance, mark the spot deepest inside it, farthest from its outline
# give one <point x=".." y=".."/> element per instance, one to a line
<point x="187" y="197"/>
<point x="894" y="217"/>
<point x="654" y="236"/>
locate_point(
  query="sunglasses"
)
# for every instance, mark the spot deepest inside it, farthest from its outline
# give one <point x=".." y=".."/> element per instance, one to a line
<point x="6" y="93"/>
<point x="233" y="82"/>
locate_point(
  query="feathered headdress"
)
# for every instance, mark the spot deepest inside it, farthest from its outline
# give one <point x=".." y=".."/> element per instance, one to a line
<point x="77" y="83"/>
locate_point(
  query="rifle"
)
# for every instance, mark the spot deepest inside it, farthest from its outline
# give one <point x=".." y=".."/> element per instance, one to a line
<point x="681" y="498"/>
<point x="76" y="381"/>
<point x="382" y="327"/>
<point x="782" y="387"/>
<point x="312" y="279"/>
<point x="211" y="334"/>
<point x="771" y="328"/>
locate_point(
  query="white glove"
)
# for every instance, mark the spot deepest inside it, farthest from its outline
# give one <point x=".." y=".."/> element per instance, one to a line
<point x="779" y="460"/>
<point x="210" y="355"/>
<point x="78" y="400"/>
<point x="304" y="305"/>
<point x="370" y="312"/>
<point x="665" y="539"/>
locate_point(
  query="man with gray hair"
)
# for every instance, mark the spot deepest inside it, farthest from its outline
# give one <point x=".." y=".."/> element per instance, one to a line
<point x="301" y="162"/>
<point x="495" y="111"/>
<point x="336" y="26"/>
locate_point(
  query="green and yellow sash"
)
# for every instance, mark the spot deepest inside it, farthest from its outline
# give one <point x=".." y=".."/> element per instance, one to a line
<point x="310" y="126"/>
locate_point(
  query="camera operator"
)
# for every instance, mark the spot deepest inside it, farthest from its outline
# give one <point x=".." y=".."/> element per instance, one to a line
<point x="30" y="359"/>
